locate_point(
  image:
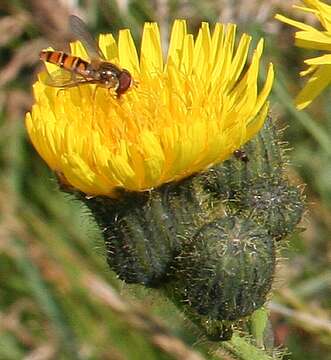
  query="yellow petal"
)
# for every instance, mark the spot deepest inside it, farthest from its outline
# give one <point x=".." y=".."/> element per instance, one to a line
<point x="313" y="38"/>
<point x="315" y="85"/>
<point x="294" y="23"/>
<point x="320" y="60"/>
<point x="179" y="118"/>
<point x="78" y="49"/>
<point x="128" y="52"/>
<point x="151" y="53"/>
<point x="108" y="47"/>
<point x="178" y="34"/>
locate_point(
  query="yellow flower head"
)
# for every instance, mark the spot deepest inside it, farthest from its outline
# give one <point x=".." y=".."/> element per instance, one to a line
<point x="183" y="115"/>
<point x="308" y="37"/>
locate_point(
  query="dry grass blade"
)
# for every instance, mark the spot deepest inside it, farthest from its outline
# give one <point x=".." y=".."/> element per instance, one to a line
<point x="307" y="320"/>
<point x="12" y="321"/>
<point x="52" y="18"/>
<point x="43" y="352"/>
<point x="17" y="103"/>
<point x="27" y="54"/>
<point x="159" y="335"/>
<point x="12" y="26"/>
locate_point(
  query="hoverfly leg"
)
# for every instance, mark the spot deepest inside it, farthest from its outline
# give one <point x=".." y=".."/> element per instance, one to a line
<point x="113" y="93"/>
<point x="94" y="94"/>
<point x="58" y="91"/>
<point x="80" y="92"/>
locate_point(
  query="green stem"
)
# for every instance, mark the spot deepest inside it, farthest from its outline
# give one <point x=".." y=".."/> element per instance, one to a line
<point x="244" y="350"/>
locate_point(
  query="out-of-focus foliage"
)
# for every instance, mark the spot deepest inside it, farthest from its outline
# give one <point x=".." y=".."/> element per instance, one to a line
<point x="58" y="300"/>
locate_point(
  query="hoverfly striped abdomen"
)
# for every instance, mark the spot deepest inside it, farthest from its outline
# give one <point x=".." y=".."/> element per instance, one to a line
<point x="65" y="61"/>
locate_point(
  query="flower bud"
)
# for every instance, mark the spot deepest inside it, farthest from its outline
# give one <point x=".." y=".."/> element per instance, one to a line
<point x="139" y="233"/>
<point x="277" y="206"/>
<point x="226" y="270"/>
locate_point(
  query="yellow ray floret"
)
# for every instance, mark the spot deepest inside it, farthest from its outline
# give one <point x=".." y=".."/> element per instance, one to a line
<point x="308" y="37"/>
<point x="182" y="117"/>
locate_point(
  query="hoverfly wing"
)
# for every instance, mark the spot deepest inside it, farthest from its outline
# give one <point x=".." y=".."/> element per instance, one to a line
<point x="80" y="31"/>
<point x="63" y="79"/>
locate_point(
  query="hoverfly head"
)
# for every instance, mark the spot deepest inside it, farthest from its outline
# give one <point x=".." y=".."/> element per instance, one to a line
<point x="125" y="82"/>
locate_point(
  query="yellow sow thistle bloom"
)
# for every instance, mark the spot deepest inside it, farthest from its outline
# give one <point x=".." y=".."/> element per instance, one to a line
<point x="183" y="116"/>
<point x="319" y="68"/>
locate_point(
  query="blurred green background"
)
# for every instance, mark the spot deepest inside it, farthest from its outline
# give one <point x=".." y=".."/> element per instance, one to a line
<point x="58" y="299"/>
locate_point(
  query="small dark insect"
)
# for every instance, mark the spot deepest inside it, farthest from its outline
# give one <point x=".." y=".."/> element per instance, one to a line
<point x="78" y="71"/>
<point x="241" y="155"/>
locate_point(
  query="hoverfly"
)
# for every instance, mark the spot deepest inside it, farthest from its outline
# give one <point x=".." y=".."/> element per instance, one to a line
<point x="98" y="71"/>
